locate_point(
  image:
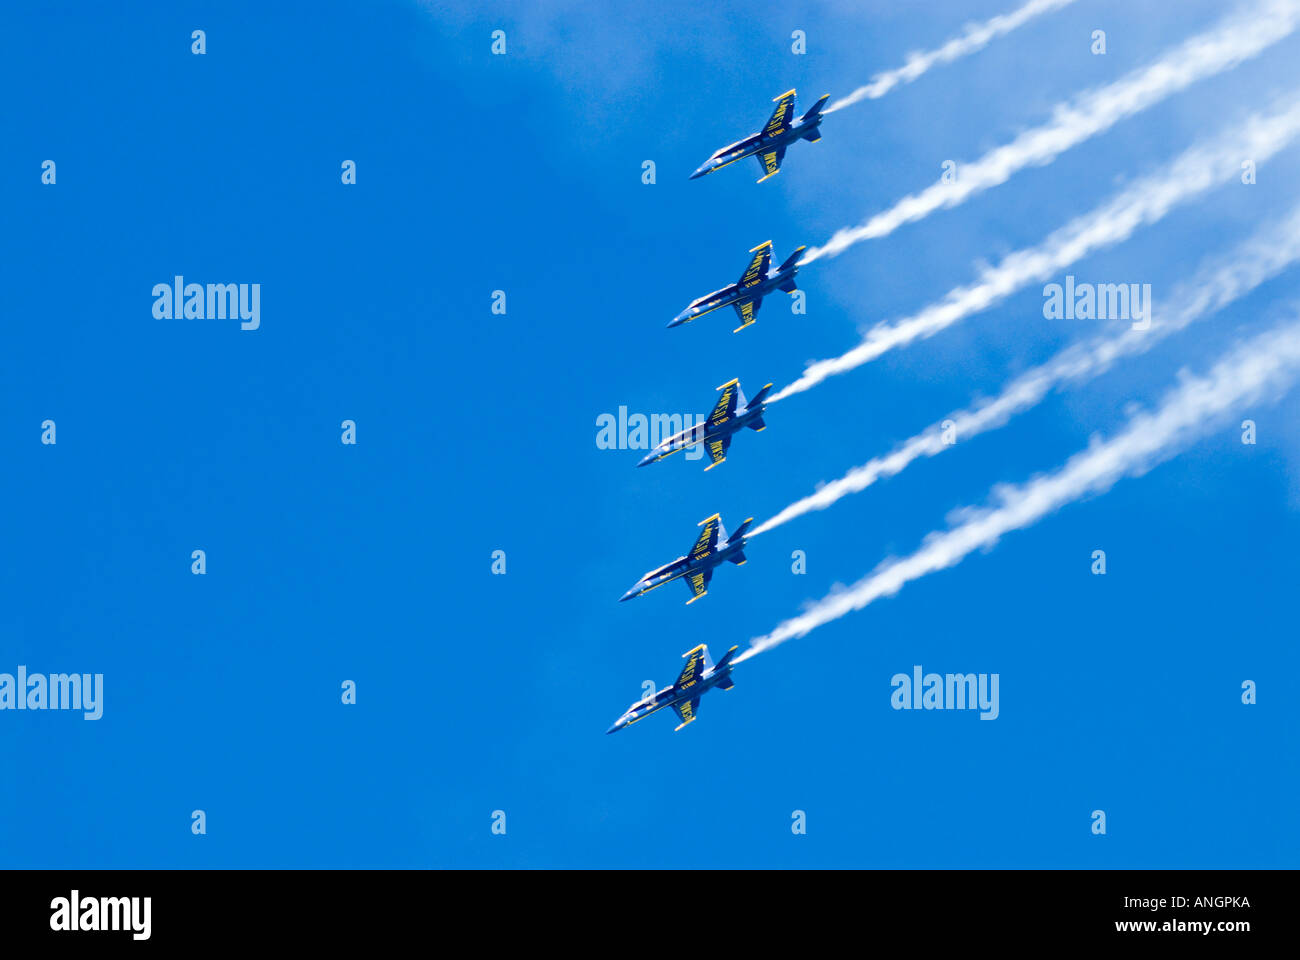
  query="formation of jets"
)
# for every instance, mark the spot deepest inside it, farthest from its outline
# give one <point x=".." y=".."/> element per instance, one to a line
<point x="730" y="414"/>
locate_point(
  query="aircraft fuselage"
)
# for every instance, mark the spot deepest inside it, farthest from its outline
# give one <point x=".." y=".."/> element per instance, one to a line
<point x="684" y="567"/>
<point x="669" y="696"/>
<point x="734" y="293"/>
<point x="705" y="433"/>
<point x="758" y="143"/>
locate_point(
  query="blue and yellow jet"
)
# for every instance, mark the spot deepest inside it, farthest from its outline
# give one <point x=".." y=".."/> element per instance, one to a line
<point x="769" y="145"/>
<point x="712" y="547"/>
<point x="731" y="414"/>
<point x="699" y="676"/>
<point x="747" y="293"/>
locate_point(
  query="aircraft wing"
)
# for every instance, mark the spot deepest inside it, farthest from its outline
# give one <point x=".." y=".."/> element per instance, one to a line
<point x="707" y="541"/>
<point x="770" y="161"/>
<point x="781" y="118"/>
<point x="686" y="712"/>
<point x="725" y="408"/>
<point x="697" y="581"/>
<point x="758" y="265"/>
<point x="747" y="310"/>
<point x="693" y="669"/>
<point x="718" y="451"/>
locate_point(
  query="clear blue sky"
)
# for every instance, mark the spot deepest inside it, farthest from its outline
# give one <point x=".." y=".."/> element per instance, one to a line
<point x="476" y="432"/>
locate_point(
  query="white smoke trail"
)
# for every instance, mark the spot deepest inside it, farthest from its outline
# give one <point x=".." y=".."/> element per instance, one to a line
<point x="1145" y="202"/>
<point x="1231" y="41"/>
<point x="1267" y="364"/>
<point x="1258" y="259"/>
<point x="976" y="38"/>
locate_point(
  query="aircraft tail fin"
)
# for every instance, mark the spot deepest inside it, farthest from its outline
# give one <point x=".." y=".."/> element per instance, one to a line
<point x="757" y="424"/>
<point x="740" y="531"/>
<point x="816" y="108"/>
<point x="791" y="260"/>
<point x="757" y="399"/>
<point x="812" y="136"/>
<point x="739" y="559"/>
<point x="724" y="660"/>
<point x="741" y="402"/>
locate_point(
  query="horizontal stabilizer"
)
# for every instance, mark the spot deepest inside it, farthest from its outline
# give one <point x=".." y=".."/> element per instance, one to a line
<point x="738" y="558"/>
<point x="757" y="424"/>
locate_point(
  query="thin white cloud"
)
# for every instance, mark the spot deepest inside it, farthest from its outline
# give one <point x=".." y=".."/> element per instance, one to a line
<point x="1261" y="369"/>
<point x="1236" y="38"/>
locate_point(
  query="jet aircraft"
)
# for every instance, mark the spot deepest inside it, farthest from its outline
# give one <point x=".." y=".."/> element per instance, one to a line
<point x="699" y="676"/>
<point x="770" y="144"/>
<point x="747" y="293"/>
<point x="712" y="547"/>
<point x="731" y="414"/>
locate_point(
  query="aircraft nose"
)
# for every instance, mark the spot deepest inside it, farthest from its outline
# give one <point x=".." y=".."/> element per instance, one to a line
<point x="628" y="596"/>
<point x="680" y="318"/>
<point x="615" y="727"/>
<point x="700" y="172"/>
<point x="648" y="458"/>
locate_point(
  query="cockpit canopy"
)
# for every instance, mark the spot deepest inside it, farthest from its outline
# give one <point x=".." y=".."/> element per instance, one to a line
<point x="656" y="571"/>
<point x="732" y="146"/>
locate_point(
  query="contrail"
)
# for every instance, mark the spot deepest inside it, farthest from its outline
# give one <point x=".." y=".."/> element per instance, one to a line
<point x="1262" y="368"/>
<point x="1253" y="262"/>
<point x="1233" y="40"/>
<point x="1145" y="202"/>
<point x="976" y="38"/>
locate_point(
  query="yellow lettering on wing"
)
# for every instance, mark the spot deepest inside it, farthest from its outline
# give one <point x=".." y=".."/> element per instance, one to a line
<point x="775" y="123"/>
